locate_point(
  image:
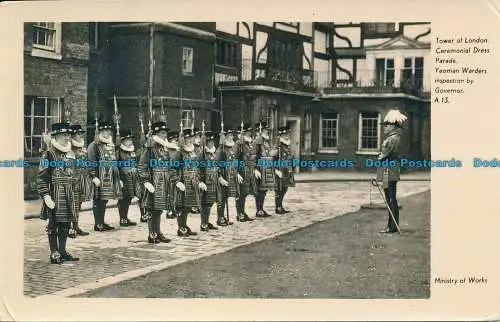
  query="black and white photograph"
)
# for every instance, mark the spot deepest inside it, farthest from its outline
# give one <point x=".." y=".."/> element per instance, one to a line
<point x="255" y="160"/>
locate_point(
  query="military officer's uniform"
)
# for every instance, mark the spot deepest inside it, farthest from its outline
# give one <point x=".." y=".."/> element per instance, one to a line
<point x="85" y="191"/>
<point x="265" y="156"/>
<point x="226" y="158"/>
<point x="104" y="175"/>
<point x="129" y="176"/>
<point x="284" y="173"/>
<point x="210" y="176"/>
<point x="390" y="176"/>
<point x="58" y="188"/>
<point x="246" y="155"/>
<point x="156" y="179"/>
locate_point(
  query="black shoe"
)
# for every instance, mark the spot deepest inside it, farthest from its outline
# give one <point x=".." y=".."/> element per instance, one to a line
<point x="204" y="228"/>
<point x="222" y="223"/>
<point x="108" y="227"/>
<point x="280" y="211"/>
<point x="190" y="232"/>
<point x="99" y="228"/>
<point x="144" y="219"/>
<point x="387" y="231"/>
<point x="170" y="215"/>
<point x="286" y="211"/>
<point x="153" y="239"/>
<point x="127" y="222"/>
<point x="55" y="258"/>
<point x="182" y="232"/>
<point x="163" y="239"/>
<point x="262" y="214"/>
<point x="69" y="258"/>
<point x="80" y="232"/>
<point x="211" y="227"/>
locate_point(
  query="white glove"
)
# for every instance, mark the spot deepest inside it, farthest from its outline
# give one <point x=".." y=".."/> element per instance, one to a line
<point x="121" y="184"/>
<point x="134" y="199"/>
<point x="278" y="173"/>
<point x="240" y="178"/>
<point x="96" y="182"/>
<point x="149" y="187"/>
<point x="180" y="186"/>
<point x="257" y="173"/>
<point x="223" y="182"/>
<point x="202" y="186"/>
<point x="49" y="202"/>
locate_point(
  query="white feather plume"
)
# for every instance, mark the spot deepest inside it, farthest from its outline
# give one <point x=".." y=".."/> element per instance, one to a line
<point x="395" y="117"/>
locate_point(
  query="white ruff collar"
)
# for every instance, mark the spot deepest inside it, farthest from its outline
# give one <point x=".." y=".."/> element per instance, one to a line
<point x="229" y="144"/>
<point x="188" y="148"/>
<point x="104" y="140"/>
<point x="127" y="148"/>
<point x="63" y="148"/>
<point x="247" y="139"/>
<point x="77" y="144"/>
<point x="284" y="141"/>
<point x="159" y="140"/>
<point x="210" y="150"/>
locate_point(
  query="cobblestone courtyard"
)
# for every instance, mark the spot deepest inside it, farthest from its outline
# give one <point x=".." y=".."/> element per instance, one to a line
<point x="111" y="257"/>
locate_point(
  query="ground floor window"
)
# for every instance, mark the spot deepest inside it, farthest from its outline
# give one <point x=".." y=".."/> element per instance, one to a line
<point x="328" y="131"/>
<point x="369" y="132"/>
<point x="39" y="114"/>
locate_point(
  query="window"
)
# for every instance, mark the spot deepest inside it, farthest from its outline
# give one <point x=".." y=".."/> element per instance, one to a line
<point x="328" y="131"/>
<point x="227" y="53"/>
<point x="46" y="39"/>
<point x="370" y="29"/>
<point x="187" y="60"/>
<point x="187" y="119"/>
<point x="369" y="132"/>
<point x="39" y="114"/>
<point x="384" y="71"/>
<point x="413" y="72"/>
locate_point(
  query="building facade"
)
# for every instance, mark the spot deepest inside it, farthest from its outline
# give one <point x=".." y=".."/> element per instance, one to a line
<point x="331" y="83"/>
<point x="56" y="57"/>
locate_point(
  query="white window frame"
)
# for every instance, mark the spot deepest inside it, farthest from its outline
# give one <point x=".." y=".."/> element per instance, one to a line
<point x="187" y="118"/>
<point x="32" y="135"/>
<point x="321" y="148"/>
<point x="50" y="52"/>
<point x="187" y="54"/>
<point x="385" y="69"/>
<point x="364" y="151"/>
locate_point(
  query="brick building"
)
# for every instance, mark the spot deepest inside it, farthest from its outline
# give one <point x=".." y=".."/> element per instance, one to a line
<point x="56" y="57"/>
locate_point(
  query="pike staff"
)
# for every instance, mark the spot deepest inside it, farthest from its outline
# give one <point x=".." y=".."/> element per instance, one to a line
<point x="116" y="118"/>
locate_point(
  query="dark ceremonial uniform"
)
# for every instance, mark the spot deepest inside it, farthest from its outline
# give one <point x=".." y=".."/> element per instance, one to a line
<point x="265" y="156"/>
<point x="190" y="198"/>
<point x="246" y="154"/>
<point x="102" y="154"/>
<point x="154" y="168"/>
<point x="284" y="160"/>
<point x="130" y="178"/>
<point x="209" y="173"/>
<point x="226" y="158"/>
<point x="198" y="150"/>
<point x="61" y="185"/>
<point x="174" y="172"/>
<point x="85" y="187"/>
<point x="390" y="176"/>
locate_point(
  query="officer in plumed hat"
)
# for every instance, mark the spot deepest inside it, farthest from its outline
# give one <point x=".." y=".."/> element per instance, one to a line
<point x="284" y="173"/>
<point x="85" y="191"/>
<point x="389" y="176"/>
<point x="155" y="176"/>
<point x="105" y="176"/>
<point x="129" y="176"/>
<point x="58" y="187"/>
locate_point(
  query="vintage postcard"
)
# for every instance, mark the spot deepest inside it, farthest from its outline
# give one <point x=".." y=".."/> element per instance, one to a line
<point x="194" y="161"/>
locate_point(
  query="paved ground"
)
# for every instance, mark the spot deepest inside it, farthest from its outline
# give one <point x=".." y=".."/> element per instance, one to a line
<point x="32" y="207"/>
<point x="111" y="257"/>
<point x="343" y="257"/>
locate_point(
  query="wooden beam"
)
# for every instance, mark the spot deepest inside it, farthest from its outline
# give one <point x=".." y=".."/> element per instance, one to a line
<point x="271" y="30"/>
